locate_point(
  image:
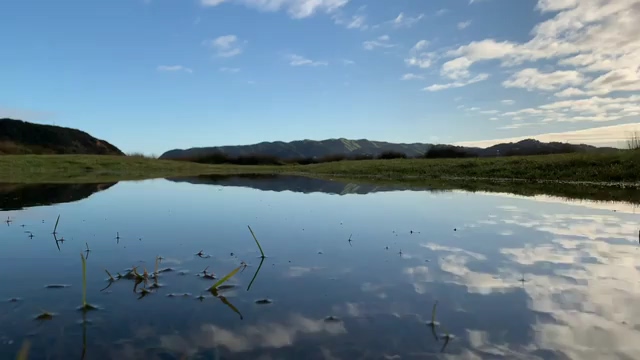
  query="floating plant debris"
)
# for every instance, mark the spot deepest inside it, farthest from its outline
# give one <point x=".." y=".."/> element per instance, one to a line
<point x="264" y="301"/>
<point x="179" y="295"/>
<point x="332" y="319"/>
<point x="57" y="286"/>
<point x="45" y="315"/>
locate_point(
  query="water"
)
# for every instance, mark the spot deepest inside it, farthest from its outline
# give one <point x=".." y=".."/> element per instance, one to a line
<point x="513" y="276"/>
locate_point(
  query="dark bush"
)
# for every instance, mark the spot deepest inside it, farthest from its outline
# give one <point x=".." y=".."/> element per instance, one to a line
<point x="388" y="155"/>
<point x="253" y="159"/>
<point x="448" y="152"/>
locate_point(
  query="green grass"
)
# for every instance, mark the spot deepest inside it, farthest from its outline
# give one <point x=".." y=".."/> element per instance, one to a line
<point x="607" y="167"/>
<point x="100" y="168"/>
<point x="623" y="166"/>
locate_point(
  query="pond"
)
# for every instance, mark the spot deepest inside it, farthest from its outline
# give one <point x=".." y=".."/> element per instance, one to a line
<point x="352" y="271"/>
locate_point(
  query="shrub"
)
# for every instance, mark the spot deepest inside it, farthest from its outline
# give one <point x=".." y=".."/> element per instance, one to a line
<point x="388" y="155"/>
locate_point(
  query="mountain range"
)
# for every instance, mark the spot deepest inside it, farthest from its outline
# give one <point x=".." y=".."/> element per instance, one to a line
<point x="21" y="137"/>
<point x="323" y="148"/>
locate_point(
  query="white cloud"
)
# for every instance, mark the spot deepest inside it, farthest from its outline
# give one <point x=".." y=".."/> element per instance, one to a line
<point x="418" y="57"/>
<point x="570" y="92"/>
<point x="403" y="20"/>
<point x="615" y="135"/>
<point x="297" y="9"/>
<point x="456" y="69"/>
<point x="532" y="79"/>
<point x="412" y="76"/>
<point x="383" y="41"/>
<point x="507" y="102"/>
<point x="590" y="35"/>
<point x="464" y="24"/>
<point x="357" y="21"/>
<point x="225" y="46"/>
<point x="457" y="84"/>
<point x="348" y="62"/>
<point x="556" y="5"/>
<point x="442" y="12"/>
<point x="174" y="68"/>
<point x="297" y="60"/>
<point x="229" y="70"/>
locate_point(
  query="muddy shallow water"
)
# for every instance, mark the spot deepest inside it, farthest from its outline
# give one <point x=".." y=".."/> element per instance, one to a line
<point x="352" y="272"/>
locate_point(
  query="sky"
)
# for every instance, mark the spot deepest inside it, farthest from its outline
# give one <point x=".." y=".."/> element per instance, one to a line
<point x="154" y="75"/>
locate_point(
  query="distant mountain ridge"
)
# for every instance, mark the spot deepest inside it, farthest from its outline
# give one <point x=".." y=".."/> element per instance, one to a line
<point x="21" y="137"/>
<point x="302" y="149"/>
<point x="321" y="148"/>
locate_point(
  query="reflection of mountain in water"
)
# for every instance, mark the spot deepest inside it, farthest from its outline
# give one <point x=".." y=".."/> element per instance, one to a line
<point x="340" y="186"/>
<point x="18" y="196"/>
<point x="293" y="183"/>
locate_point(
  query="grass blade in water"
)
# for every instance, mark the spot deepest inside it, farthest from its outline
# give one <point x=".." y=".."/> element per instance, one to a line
<point x="258" y="243"/>
<point x="224" y="279"/>
<point x="85" y="306"/>
<point x="84" y="280"/>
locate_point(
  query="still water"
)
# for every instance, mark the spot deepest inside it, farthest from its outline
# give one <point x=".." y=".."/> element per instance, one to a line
<point x="352" y="272"/>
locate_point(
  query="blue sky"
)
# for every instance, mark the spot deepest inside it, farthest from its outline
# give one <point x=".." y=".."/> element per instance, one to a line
<point x="152" y="75"/>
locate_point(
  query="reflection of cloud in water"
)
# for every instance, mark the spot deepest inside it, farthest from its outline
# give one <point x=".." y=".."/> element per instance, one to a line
<point x="591" y="204"/>
<point x="297" y="271"/>
<point x="260" y="336"/>
<point x="376" y="289"/>
<point x="589" y="299"/>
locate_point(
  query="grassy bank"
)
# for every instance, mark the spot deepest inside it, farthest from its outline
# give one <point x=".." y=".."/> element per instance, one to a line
<point x="623" y="166"/>
<point x="95" y="169"/>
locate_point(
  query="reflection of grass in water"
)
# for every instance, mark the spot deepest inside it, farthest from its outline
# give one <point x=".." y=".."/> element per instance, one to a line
<point x="433" y="322"/>
<point x="85" y="305"/>
<point x="23" y="354"/>
<point x="225" y="279"/>
<point x="256" y="274"/>
<point x="56" y="226"/>
<point x="257" y="242"/>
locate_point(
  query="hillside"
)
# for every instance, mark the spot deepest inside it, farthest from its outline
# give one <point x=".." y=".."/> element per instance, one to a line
<point x="21" y="137"/>
<point x="302" y="149"/>
<point x="318" y="149"/>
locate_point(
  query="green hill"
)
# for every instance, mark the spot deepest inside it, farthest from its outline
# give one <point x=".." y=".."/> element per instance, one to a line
<point x="21" y="137"/>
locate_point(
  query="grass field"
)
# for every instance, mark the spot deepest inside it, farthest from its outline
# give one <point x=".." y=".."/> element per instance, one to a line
<point x="623" y="166"/>
<point x="97" y="168"/>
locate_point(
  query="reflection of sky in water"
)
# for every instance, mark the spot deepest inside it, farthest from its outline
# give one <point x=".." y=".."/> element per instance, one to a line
<point x="517" y="278"/>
